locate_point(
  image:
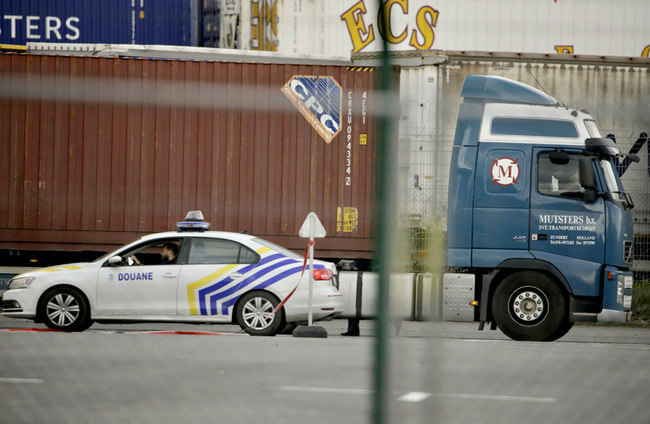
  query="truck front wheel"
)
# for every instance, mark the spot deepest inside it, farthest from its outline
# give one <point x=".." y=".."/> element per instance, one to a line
<point x="530" y="306"/>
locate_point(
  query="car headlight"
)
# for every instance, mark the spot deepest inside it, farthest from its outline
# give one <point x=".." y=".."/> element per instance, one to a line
<point x="20" y="283"/>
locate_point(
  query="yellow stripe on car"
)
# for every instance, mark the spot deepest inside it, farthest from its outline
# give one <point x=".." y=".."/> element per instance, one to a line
<point x="61" y="268"/>
<point x="191" y="288"/>
<point x="201" y="282"/>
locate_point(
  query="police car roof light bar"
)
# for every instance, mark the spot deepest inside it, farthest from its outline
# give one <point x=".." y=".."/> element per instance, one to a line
<point x="195" y="216"/>
<point x="194" y="221"/>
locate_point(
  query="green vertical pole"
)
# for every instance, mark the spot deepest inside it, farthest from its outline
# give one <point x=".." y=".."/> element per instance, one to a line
<point x="383" y="235"/>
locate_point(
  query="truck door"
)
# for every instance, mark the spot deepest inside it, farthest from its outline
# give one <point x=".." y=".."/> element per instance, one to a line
<point x="565" y="230"/>
<point x="501" y="204"/>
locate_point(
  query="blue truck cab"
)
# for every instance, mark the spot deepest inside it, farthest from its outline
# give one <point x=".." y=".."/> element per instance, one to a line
<point x="539" y="226"/>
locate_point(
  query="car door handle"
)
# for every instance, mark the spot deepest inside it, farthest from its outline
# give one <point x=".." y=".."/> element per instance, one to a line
<point x="169" y="275"/>
<point x="235" y="275"/>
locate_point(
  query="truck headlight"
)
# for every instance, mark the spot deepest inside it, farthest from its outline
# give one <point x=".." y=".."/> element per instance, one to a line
<point x="20" y="283"/>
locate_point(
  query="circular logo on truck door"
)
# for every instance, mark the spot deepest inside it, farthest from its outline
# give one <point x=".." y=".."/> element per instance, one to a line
<point x="505" y="171"/>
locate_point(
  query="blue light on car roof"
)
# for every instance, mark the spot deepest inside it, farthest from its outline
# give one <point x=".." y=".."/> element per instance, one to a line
<point x="194" y="221"/>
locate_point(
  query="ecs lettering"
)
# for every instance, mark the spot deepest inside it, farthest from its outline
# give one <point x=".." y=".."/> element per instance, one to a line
<point x="362" y="34"/>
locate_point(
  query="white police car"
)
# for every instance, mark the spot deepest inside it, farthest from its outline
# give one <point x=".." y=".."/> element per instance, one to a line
<point x="189" y="277"/>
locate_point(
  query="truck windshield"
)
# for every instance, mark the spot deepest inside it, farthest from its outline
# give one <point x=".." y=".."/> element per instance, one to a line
<point x="614" y="185"/>
<point x="592" y="128"/>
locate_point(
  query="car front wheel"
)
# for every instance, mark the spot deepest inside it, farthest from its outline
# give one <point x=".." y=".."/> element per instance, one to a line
<point x="255" y="314"/>
<point x="65" y="309"/>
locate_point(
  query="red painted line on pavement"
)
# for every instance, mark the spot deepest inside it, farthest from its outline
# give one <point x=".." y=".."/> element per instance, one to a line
<point x="184" y="333"/>
<point x="34" y="330"/>
<point x="162" y="332"/>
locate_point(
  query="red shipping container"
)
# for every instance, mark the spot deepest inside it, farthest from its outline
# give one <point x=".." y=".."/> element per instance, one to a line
<point x="97" y="151"/>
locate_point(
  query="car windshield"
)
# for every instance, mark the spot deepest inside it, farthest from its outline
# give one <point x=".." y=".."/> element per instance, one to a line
<point x="277" y="248"/>
<point x="104" y="256"/>
<point x="112" y="253"/>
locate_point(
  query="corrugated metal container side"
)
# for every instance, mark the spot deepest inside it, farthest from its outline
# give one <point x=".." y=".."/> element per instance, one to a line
<point x="169" y="22"/>
<point x="96" y="151"/>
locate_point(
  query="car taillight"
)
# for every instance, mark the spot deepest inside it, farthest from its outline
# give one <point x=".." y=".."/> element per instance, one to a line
<point x="322" y="274"/>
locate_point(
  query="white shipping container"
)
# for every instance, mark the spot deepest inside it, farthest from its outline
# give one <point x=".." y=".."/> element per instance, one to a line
<point x="339" y="27"/>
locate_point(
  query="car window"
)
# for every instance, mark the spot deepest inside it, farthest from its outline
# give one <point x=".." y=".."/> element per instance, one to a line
<point x="277" y="248"/>
<point x="218" y="251"/>
<point x="151" y="253"/>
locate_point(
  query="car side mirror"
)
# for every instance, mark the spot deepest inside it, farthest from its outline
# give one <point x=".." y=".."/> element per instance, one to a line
<point x="115" y="261"/>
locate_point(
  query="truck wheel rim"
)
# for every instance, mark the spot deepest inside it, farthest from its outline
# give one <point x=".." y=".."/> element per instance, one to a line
<point x="528" y="306"/>
<point x="257" y="313"/>
<point x="63" y="310"/>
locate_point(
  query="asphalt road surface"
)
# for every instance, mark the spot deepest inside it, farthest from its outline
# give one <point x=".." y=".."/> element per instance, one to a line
<point x="440" y="373"/>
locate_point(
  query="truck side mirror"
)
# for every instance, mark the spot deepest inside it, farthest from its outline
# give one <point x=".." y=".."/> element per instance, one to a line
<point x="587" y="180"/>
<point x="634" y="157"/>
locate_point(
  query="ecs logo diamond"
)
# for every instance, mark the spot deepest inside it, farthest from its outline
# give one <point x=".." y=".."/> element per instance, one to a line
<point x="505" y="171"/>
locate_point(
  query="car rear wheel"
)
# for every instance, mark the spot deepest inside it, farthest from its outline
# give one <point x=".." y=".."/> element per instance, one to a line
<point x="65" y="309"/>
<point x="255" y="314"/>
